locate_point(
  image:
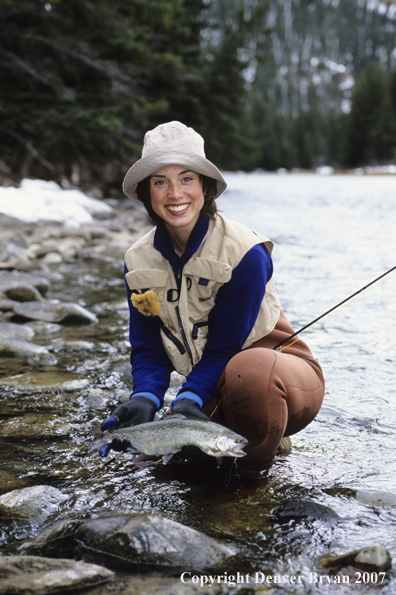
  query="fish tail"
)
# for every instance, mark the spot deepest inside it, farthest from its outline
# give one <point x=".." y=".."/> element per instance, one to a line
<point x="99" y="441"/>
<point x="96" y="428"/>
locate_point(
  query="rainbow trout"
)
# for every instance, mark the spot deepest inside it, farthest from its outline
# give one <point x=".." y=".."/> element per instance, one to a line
<point x="166" y="437"/>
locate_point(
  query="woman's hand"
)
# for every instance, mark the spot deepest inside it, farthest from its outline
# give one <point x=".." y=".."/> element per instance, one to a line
<point x="138" y="410"/>
<point x="189" y="408"/>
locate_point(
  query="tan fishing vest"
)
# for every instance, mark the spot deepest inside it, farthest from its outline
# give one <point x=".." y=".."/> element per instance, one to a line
<point x="184" y="316"/>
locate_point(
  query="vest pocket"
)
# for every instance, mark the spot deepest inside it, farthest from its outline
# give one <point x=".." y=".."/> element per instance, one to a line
<point x="196" y="327"/>
<point x="169" y="335"/>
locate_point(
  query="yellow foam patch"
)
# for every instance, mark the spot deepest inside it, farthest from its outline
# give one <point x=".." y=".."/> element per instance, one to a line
<point x="147" y="303"/>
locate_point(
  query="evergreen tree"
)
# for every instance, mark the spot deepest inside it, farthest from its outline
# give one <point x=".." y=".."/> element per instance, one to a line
<point x="370" y="133"/>
<point x="81" y="80"/>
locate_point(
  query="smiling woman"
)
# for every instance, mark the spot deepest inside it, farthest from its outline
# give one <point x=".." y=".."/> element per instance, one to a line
<point x="218" y="316"/>
<point x="177" y="198"/>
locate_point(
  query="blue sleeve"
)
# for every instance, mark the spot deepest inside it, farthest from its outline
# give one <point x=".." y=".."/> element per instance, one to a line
<point x="151" y="367"/>
<point x="231" y="321"/>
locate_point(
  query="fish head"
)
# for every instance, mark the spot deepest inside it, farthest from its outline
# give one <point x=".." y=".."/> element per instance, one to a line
<point x="231" y="446"/>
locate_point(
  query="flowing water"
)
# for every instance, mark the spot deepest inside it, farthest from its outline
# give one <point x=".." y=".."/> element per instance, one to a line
<point x="332" y="236"/>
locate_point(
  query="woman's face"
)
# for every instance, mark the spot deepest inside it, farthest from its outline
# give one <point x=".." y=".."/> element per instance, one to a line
<point x="177" y="196"/>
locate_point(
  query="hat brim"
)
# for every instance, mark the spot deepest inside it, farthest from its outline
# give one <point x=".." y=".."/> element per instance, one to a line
<point x="146" y="166"/>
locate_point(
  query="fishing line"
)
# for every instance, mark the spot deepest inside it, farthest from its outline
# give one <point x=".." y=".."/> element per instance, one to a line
<point x="354" y="295"/>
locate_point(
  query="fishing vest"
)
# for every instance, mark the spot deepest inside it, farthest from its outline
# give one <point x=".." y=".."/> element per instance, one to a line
<point x="184" y="313"/>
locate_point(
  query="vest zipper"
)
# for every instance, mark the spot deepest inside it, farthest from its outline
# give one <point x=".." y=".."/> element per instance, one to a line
<point x="172" y="338"/>
<point x="183" y="334"/>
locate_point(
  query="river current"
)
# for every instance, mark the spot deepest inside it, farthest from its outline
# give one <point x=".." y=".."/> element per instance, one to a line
<point x="332" y="235"/>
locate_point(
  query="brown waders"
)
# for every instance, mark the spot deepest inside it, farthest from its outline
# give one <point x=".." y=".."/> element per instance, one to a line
<point x="269" y="394"/>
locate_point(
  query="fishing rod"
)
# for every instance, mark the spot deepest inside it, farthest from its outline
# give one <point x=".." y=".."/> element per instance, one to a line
<point x="276" y="348"/>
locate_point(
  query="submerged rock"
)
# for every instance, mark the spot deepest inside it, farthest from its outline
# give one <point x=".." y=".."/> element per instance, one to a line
<point x="304" y="509"/>
<point x="138" y="539"/>
<point x="35" y="426"/>
<point x="31" y="503"/>
<point x="66" y="313"/>
<point x="150" y="540"/>
<point x="369" y="559"/>
<point x="32" y="575"/>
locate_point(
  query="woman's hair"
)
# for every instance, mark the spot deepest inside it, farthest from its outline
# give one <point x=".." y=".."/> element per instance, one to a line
<point x="209" y="187"/>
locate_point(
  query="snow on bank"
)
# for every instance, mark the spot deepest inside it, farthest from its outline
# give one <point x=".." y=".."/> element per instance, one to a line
<point x="37" y="200"/>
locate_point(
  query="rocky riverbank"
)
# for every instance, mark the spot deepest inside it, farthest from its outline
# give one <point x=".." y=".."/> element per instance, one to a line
<point x="69" y="520"/>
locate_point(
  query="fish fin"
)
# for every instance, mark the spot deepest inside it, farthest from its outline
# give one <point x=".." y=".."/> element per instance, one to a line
<point x="96" y="444"/>
<point x="96" y="428"/>
<point x="169" y="416"/>
<point x="167" y="458"/>
<point x="133" y="450"/>
<point x="219" y="461"/>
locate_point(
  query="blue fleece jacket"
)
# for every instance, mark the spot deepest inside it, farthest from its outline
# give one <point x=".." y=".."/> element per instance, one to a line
<point x="230" y="323"/>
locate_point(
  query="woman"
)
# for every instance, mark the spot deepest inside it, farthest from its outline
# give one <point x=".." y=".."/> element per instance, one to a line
<point x="203" y="302"/>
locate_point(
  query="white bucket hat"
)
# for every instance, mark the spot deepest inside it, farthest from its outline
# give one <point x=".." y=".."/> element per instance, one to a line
<point x="172" y="143"/>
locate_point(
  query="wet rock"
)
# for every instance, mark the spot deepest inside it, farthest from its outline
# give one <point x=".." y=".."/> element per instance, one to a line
<point x="7" y="305"/>
<point x="139" y="539"/>
<point x="31" y="503"/>
<point x="11" y="255"/>
<point x="10" y="347"/>
<point x="35" y="426"/>
<point x="52" y="258"/>
<point x="37" y="382"/>
<point x="369" y="559"/>
<point x="15" y="283"/>
<point x="59" y="537"/>
<point x="22" y="292"/>
<point x="285" y="445"/>
<point x="66" y="313"/>
<point x="64" y="345"/>
<point x="377" y="497"/>
<point x="43" y="328"/>
<point x="302" y="509"/>
<point x="41" y="360"/>
<point x="9" y="330"/>
<point x="32" y="575"/>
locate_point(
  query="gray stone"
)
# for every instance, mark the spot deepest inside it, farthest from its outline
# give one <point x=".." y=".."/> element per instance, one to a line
<point x="304" y="509"/>
<point x="370" y="559"/>
<point x="21" y="292"/>
<point x="66" y="313"/>
<point x="10" y="347"/>
<point x="147" y="539"/>
<point x="35" y="426"/>
<point x="380" y="498"/>
<point x="7" y="305"/>
<point x="10" y="251"/>
<point x="32" y="575"/>
<point x="31" y="503"/>
<point x="9" y="330"/>
<point x="137" y="539"/>
<point x="44" y="328"/>
<point x="52" y="258"/>
<point x="16" y="280"/>
<point x="65" y="345"/>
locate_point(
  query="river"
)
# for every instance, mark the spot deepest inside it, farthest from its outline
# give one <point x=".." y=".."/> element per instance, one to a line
<point x="333" y="235"/>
